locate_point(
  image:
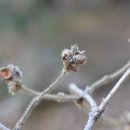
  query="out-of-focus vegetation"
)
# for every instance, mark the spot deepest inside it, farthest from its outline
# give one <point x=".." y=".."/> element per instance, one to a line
<point x="32" y="35"/>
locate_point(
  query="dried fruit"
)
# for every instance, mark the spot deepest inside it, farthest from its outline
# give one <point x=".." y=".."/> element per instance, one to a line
<point x="72" y="58"/>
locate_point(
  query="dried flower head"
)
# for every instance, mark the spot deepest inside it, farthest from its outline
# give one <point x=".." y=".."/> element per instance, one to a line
<point x="12" y="75"/>
<point x="73" y="57"/>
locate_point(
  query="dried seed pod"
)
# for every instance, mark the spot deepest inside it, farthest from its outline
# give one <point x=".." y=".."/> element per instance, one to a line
<point x="5" y="73"/>
<point x="12" y="76"/>
<point x="73" y="67"/>
<point x="73" y="57"/>
<point x="80" y="58"/>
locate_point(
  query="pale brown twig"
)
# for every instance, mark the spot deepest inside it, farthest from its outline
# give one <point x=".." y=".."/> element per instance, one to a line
<point x="73" y="88"/>
<point x="59" y="97"/>
<point x="37" y="100"/>
<point x="108" y="78"/>
<point x="94" y="115"/>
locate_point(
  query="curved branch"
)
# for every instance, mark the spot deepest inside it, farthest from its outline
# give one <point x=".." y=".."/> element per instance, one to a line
<point x="35" y="101"/>
<point x="108" y="78"/>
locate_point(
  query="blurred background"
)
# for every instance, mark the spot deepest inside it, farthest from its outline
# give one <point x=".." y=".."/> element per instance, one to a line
<point x="32" y="35"/>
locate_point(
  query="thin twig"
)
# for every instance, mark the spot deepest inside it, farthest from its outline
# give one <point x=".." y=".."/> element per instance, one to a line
<point x="89" y="99"/>
<point x="2" y="127"/>
<point x="37" y="100"/>
<point x="83" y="104"/>
<point x="94" y="115"/>
<point x="29" y="91"/>
<point x="59" y="97"/>
<point x="108" y="78"/>
<point x="115" y="88"/>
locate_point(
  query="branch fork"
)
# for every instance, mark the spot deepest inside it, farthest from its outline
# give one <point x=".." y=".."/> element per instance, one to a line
<point x="71" y="59"/>
<point x="95" y="115"/>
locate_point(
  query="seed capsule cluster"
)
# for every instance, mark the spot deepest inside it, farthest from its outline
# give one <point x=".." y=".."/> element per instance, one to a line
<point x="73" y="57"/>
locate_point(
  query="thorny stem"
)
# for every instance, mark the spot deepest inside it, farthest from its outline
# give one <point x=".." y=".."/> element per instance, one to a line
<point x="37" y="100"/>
